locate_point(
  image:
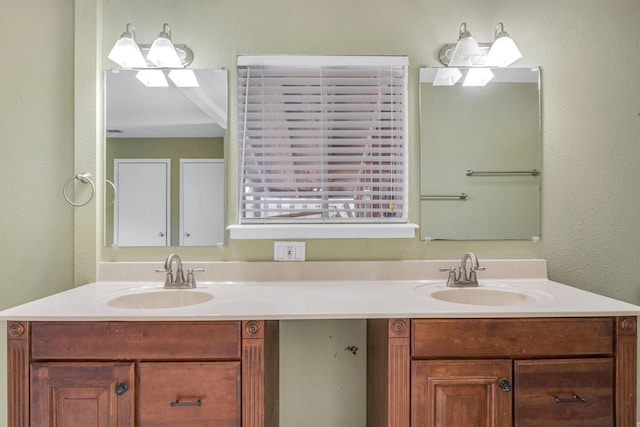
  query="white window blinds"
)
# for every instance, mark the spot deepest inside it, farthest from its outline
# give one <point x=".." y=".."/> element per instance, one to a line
<point x="322" y="139"/>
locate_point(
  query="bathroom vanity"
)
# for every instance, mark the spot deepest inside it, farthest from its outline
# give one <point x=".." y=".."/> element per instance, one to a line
<point x="502" y="372"/>
<point x="519" y="350"/>
<point x="143" y="373"/>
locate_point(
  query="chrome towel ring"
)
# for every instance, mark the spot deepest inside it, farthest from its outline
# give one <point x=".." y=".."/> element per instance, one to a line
<point x="84" y="178"/>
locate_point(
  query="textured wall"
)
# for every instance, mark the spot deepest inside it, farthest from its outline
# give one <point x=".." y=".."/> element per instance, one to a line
<point x="36" y="155"/>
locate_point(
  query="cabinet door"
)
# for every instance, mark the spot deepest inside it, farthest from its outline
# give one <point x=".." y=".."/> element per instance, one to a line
<point x="189" y="394"/>
<point x="82" y="394"/>
<point x="564" y="393"/>
<point x="461" y="393"/>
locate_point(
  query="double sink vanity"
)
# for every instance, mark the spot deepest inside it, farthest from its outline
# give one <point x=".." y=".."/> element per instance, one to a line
<point x="517" y="349"/>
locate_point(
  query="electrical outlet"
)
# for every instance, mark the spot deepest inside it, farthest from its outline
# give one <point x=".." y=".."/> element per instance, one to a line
<point x="288" y="251"/>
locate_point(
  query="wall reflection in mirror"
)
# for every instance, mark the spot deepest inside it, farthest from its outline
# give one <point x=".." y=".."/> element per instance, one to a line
<point x="480" y="154"/>
<point x="164" y="159"/>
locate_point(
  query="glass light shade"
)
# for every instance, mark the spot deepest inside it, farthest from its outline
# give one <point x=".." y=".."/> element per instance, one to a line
<point x="163" y="53"/>
<point x="447" y="77"/>
<point x="478" y="77"/>
<point x="127" y="54"/>
<point x="466" y="53"/>
<point x="152" y="78"/>
<point x="184" y="78"/>
<point x="503" y="53"/>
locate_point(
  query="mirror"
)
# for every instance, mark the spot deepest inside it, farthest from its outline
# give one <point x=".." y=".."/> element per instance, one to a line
<point x="164" y="159"/>
<point x="480" y="155"/>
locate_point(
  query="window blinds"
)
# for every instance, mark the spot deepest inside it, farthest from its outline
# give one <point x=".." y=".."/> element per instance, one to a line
<point x="322" y="141"/>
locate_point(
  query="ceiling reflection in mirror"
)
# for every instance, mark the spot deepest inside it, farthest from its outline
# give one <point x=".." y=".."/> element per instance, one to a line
<point x="164" y="159"/>
<point x="480" y="154"/>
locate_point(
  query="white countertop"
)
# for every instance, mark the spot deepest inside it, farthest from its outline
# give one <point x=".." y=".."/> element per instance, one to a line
<point x="327" y="297"/>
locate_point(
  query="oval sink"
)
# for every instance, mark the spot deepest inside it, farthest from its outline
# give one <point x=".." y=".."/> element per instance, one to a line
<point x="165" y="298"/>
<point x="483" y="296"/>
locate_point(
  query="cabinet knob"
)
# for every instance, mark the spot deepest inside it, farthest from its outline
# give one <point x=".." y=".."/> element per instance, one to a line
<point x="122" y="389"/>
<point x="505" y="385"/>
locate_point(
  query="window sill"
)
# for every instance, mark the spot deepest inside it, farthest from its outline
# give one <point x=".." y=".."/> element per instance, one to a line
<point x="323" y="231"/>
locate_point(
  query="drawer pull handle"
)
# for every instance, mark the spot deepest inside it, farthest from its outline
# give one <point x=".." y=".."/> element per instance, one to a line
<point x="178" y="403"/>
<point x="574" y="399"/>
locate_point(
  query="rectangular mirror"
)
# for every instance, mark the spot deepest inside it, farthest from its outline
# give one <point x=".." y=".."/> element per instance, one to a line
<point x="480" y="155"/>
<point x="164" y="158"/>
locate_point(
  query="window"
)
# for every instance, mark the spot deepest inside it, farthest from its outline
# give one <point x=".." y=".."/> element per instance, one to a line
<point x="322" y="140"/>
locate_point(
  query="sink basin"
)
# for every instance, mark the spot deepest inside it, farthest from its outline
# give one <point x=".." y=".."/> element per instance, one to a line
<point x="165" y="298"/>
<point x="483" y="296"/>
<point x="487" y="294"/>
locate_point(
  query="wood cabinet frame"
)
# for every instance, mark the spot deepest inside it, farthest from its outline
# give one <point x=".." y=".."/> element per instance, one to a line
<point x="257" y="352"/>
<point x="390" y="351"/>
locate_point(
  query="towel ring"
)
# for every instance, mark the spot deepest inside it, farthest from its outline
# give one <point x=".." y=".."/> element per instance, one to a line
<point x="84" y="178"/>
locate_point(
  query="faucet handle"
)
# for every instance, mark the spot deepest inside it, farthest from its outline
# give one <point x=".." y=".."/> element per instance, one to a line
<point x="452" y="275"/>
<point x="168" y="275"/>
<point x="191" y="278"/>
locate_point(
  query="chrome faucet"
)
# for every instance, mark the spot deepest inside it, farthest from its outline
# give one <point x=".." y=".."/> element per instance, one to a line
<point x="464" y="279"/>
<point x="178" y="281"/>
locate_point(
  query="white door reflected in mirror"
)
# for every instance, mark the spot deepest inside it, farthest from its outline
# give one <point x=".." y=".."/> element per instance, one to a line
<point x="201" y="206"/>
<point x="142" y="214"/>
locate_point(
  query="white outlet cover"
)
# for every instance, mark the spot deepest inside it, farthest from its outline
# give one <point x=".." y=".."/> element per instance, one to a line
<point x="288" y="251"/>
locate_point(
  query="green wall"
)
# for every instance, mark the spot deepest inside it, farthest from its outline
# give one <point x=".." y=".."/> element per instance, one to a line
<point x="36" y="156"/>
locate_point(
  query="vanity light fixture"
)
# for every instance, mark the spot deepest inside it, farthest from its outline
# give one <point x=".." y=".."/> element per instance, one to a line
<point x="162" y="52"/>
<point x="127" y="53"/>
<point x="504" y="51"/>
<point x="467" y="52"/>
<point x="501" y="53"/>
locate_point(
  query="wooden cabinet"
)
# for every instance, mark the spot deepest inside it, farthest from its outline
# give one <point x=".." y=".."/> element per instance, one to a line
<point x="502" y="372"/>
<point x="82" y="394"/>
<point x="460" y="393"/>
<point x="564" y="392"/>
<point x="189" y="394"/>
<point x="215" y="374"/>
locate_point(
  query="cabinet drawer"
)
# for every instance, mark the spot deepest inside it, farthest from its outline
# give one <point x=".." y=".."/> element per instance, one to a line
<point x="189" y="394"/>
<point x="135" y="340"/>
<point x="512" y="338"/>
<point x="564" y="393"/>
